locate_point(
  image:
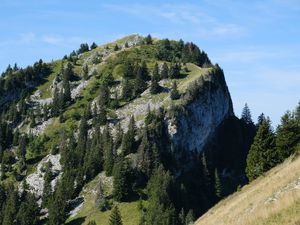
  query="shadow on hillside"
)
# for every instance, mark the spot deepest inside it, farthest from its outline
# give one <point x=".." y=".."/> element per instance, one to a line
<point x="77" y="221"/>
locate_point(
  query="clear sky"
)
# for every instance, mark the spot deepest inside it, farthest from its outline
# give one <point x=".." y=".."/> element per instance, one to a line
<point x="257" y="43"/>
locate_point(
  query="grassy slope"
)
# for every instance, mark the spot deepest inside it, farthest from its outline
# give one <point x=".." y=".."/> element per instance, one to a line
<point x="271" y="199"/>
<point x="129" y="210"/>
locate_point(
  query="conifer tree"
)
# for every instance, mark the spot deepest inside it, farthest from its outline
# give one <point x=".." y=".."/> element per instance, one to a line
<point x="160" y="209"/>
<point x="140" y="84"/>
<point x="154" y="87"/>
<point x="174" y="93"/>
<point x="85" y="71"/>
<point x="148" y="40"/>
<point x="260" y="119"/>
<point x="165" y="71"/>
<point x="28" y="213"/>
<point x="121" y="181"/>
<point x="128" y="141"/>
<point x="56" y="102"/>
<point x="47" y="190"/>
<point x="93" y="46"/>
<point x="218" y="185"/>
<point x="288" y="135"/>
<point x="115" y="217"/>
<point x="262" y="155"/>
<point x="246" y="115"/>
<point x="108" y="152"/>
<point x="144" y="71"/>
<point x="126" y="90"/>
<point x="119" y="136"/>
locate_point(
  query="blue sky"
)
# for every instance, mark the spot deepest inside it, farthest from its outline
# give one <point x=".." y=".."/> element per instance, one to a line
<point x="256" y="42"/>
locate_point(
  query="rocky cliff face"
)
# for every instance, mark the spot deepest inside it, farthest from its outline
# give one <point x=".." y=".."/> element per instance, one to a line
<point x="200" y="118"/>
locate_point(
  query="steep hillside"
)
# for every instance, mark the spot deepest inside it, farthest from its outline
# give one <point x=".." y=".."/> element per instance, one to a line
<point x="271" y="199"/>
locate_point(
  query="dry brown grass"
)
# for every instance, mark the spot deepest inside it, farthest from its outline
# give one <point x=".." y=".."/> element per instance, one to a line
<point x="271" y="199"/>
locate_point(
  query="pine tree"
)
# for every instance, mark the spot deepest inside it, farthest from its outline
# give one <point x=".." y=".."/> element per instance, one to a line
<point x="288" y="135"/>
<point x="116" y="48"/>
<point x="262" y="155"/>
<point x="160" y="209"/>
<point x="126" y="90"/>
<point x="128" y="141"/>
<point x="93" y="46"/>
<point x="108" y="152"/>
<point x="148" y="40"/>
<point x="22" y="147"/>
<point x="189" y="219"/>
<point x="47" y="190"/>
<point x="85" y="71"/>
<point x="165" y="71"/>
<point x="246" y="115"/>
<point x="218" y="185"/>
<point x="56" y="100"/>
<point x="260" y="119"/>
<point x="120" y="182"/>
<point x="144" y="71"/>
<point x="115" y="217"/>
<point x="154" y="87"/>
<point x="174" y="93"/>
<point x="140" y="84"/>
<point x="28" y="213"/>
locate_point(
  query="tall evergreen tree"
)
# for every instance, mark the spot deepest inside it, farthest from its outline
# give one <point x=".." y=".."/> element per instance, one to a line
<point x="115" y="217"/>
<point x="121" y="180"/>
<point x="288" y="135"/>
<point x="165" y="71"/>
<point x="174" y="93"/>
<point x="128" y="141"/>
<point x="85" y="71"/>
<point x="148" y="40"/>
<point x="218" y="185"/>
<point x="262" y="155"/>
<point x="160" y="208"/>
<point x="154" y="87"/>
<point x="108" y="152"/>
<point x="246" y="115"/>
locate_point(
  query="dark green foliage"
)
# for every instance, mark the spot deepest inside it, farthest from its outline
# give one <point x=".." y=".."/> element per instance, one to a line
<point x="83" y="48"/>
<point x="108" y="152"/>
<point x="148" y="40"/>
<point x="93" y="46"/>
<point x="121" y="180"/>
<point x="174" y="71"/>
<point x="165" y="71"/>
<point x="154" y="87"/>
<point x="126" y="90"/>
<point x="85" y="71"/>
<point x="128" y="141"/>
<point x="160" y="210"/>
<point x="287" y="135"/>
<point x="115" y="217"/>
<point x="116" y="48"/>
<point x="94" y="155"/>
<point x="260" y="119"/>
<point x="28" y="213"/>
<point x="174" y="93"/>
<point x="246" y="115"/>
<point x="92" y="222"/>
<point x="218" y="185"/>
<point x="262" y="154"/>
<point x="47" y="190"/>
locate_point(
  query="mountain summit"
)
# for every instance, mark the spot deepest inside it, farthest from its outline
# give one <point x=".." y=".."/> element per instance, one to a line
<point x="140" y="128"/>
